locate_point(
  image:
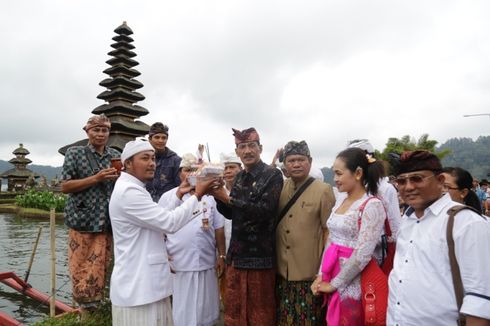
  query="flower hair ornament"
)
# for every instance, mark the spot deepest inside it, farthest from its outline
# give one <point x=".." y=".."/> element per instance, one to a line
<point x="370" y="158"/>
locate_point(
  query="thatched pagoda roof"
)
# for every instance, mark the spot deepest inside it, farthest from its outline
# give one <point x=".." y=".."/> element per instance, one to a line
<point x="120" y="96"/>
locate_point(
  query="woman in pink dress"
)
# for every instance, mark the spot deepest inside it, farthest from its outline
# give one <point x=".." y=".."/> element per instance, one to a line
<point x="351" y="243"/>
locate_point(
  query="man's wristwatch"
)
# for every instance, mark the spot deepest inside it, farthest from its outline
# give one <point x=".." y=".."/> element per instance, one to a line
<point x="222" y="256"/>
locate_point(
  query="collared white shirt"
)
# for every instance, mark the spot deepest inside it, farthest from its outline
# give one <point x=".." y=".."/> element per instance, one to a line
<point x="193" y="248"/>
<point x="141" y="273"/>
<point x="420" y="284"/>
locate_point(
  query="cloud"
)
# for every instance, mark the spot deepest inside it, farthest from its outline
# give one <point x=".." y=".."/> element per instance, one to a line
<point x="326" y="72"/>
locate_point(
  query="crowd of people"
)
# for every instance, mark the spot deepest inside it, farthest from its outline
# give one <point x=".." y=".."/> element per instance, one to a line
<point x="273" y="245"/>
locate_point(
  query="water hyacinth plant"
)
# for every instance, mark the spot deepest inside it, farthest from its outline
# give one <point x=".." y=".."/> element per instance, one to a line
<point x="44" y="200"/>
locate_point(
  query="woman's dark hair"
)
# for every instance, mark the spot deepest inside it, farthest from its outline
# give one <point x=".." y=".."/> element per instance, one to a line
<point x="371" y="172"/>
<point x="464" y="180"/>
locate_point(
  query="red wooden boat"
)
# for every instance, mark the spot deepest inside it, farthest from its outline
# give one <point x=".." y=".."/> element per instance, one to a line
<point x="12" y="280"/>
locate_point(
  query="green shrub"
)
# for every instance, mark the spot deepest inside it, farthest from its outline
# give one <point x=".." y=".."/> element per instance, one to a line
<point x="44" y="200"/>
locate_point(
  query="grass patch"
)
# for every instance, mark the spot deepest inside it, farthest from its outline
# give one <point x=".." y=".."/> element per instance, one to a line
<point x="35" y="213"/>
<point x="8" y="208"/>
<point x="27" y="212"/>
<point x="102" y="317"/>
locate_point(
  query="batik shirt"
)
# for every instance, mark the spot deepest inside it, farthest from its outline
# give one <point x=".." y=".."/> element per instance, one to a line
<point x="87" y="210"/>
<point x="253" y="210"/>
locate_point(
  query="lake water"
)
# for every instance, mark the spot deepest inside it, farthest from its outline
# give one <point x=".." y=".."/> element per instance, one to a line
<point x="17" y="236"/>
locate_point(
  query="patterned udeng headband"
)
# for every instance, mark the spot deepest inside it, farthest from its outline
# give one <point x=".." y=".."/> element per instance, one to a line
<point x="245" y="136"/>
<point x="97" y="121"/>
<point x="296" y="148"/>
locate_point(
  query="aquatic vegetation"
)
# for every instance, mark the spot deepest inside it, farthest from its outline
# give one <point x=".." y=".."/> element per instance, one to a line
<point x="44" y="200"/>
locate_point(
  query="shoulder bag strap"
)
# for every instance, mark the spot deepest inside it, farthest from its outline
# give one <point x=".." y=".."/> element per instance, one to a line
<point x="294" y="199"/>
<point x="455" y="272"/>
<point x="361" y="209"/>
<point x="91" y="160"/>
<point x="387" y="234"/>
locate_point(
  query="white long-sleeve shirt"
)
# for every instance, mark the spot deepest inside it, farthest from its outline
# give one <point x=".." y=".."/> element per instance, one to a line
<point x="421" y="286"/>
<point x="141" y="273"/>
<point x="193" y="248"/>
<point x="389" y="197"/>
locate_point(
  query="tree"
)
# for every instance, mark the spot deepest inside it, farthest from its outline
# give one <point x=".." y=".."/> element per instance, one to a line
<point x="407" y="143"/>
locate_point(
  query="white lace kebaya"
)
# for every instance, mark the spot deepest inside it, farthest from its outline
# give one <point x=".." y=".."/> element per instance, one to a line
<point x="344" y="230"/>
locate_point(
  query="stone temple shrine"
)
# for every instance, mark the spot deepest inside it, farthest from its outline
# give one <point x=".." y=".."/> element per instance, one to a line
<point x="20" y="174"/>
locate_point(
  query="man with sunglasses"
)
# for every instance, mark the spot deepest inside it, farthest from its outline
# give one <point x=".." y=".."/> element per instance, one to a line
<point x="252" y="206"/>
<point x="420" y="284"/>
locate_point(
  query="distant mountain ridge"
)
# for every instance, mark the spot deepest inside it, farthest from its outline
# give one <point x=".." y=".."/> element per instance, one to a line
<point x="46" y="170"/>
<point x="470" y="155"/>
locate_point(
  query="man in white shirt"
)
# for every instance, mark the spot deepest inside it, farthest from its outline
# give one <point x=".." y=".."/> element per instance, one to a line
<point x="421" y="290"/>
<point x="233" y="165"/>
<point x="141" y="282"/>
<point x="194" y="250"/>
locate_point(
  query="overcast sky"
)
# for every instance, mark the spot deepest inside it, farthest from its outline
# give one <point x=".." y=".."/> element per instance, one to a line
<point x="321" y="71"/>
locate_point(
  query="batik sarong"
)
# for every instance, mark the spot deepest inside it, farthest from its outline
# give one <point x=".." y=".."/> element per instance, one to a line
<point x="89" y="255"/>
<point x="297" y="306"/>
<point x="250" y="297"/>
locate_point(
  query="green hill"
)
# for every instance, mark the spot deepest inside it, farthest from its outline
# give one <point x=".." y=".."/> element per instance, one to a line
<point x="48" y="171"/>
<point x="473" y="156"/>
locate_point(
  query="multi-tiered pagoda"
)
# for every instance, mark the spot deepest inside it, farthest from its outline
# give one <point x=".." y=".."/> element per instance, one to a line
<point x="18" y="176"/>
<point x="121" y="96"/>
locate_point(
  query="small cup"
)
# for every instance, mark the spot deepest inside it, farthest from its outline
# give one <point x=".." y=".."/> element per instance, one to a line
<point x="116" y="164"/>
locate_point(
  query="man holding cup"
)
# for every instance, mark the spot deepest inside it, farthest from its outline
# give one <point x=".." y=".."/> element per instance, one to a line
<point x="88" y="180"/>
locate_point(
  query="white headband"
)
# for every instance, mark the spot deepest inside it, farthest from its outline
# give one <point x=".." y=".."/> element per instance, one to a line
<point x="134" y="147"/>
<point x="188" y="160"/>
<point x="229" y="158"/>
<point x="363" y="144"/>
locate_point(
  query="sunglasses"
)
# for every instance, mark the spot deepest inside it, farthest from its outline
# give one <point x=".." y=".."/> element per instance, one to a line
<point x="251" y="145"/>
<point x="414" y="179"/>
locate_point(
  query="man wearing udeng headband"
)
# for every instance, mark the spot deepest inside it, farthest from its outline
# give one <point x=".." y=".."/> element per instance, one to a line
<point x="88" y="180"/>
<point x="252" y="206"/>
<point x="421" y="282"/>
